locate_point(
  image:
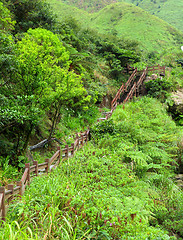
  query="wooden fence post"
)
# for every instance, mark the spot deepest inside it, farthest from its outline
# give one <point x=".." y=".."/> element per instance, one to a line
<point x="48" y="165"/>
<point x="82" y="140"/>
<point x="19" y="183"/>
<point x="58" y="149"/>
<point x="2" y="207"/>
<point x="67" y="151"/>
<point x="27" y="165"/>
<point x="35" y="163"/>
<point x="72" y="151"/>
<point x="77" y="137"/>
<point x="11" y="187"/>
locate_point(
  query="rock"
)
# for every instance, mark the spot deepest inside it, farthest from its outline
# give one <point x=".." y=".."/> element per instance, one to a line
<point x="178" y="97"/>
<point x="177" y="107"/>
<point x="152" y="77"/>
<point x="179" y="176"/>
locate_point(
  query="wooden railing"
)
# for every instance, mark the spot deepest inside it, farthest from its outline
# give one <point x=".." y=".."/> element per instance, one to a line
<point x="6" y="195"/>
<point x="117" y="97"/>
<point x="123" y="88"/>
<point x="157" y="69"/>
<point x="132" y="87"/>
<point x="130" y="80"/>
<point x="131" y="93"/>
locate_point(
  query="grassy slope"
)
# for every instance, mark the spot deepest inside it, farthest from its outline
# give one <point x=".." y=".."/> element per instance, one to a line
<point x="127" y="21"/>
<point x="168" y="10"/>
<point x="98" y="195"/>
<point x="64" y="10"/>
<point x="135" y="24"/>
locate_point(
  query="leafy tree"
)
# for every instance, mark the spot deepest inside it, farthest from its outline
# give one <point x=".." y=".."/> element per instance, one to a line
<point x="42" y="83"/>
<point x="31" y="14"/>
<point x="6" y="43"/>
<point x="6" y="22"/>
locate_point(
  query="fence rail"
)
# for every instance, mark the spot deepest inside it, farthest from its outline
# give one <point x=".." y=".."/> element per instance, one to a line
<point x="6" y="195"/>
<point x="131" y="88"/>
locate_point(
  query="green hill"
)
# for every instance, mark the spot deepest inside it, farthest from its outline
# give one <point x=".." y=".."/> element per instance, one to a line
<point x="88" y="5"/>
<point x="136" y="24"/>
<point x="168" y="10"/>
<point x="128" y="21"/>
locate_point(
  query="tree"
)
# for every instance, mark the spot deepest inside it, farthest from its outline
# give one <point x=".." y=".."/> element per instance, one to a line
<point x="30" y="14"/>
<point x="42" y="83"/>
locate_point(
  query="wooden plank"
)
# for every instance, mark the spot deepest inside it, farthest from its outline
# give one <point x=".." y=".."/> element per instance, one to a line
<point x="2" y="204"/>
<point x="75" y="143"/>
<point x="25" y="174"/>
<point x="130" y="94"/>
<point x="1" y="199"/>
<point x="54" y="157"/>
<point x="131" y="78"/>
<point x="8" y="194"/>
<point x="35" y="163"/>
<point x="67" y="152"/>
<point x="70" y="149"/>
<point x="23" y="188"/>
<point x="64" y="150"/>
<point x="11" y="188"/>
<point x="47" y="161"/>
<point x="16" y="190"/>
<point x="27" y="166"/>
<point x="42" y="166"/>
<point x="20" y="184"/>
<point x="32" y="169"/>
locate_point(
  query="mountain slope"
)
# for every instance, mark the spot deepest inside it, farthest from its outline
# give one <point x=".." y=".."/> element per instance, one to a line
<point x="128" y="21"/>
<point x="136" y="24"/>
<point x="168" y="10"/>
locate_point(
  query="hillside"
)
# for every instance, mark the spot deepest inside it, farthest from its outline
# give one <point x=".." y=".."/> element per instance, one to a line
<point x="56" y="78"/>
<point x="128" y="21"/>
<point x="168" y="10"/>
<point x="120" y="186"/>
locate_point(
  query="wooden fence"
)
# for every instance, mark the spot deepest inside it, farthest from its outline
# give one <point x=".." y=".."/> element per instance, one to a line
<point x="131" y="88"/>
<point x="6" y="195"/>
<point x="155" y="69"/>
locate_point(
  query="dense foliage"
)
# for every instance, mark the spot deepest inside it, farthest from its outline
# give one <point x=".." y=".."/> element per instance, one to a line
<point x="53" y="72"/>
<point x="119" y="187"/>
<point x="44" y="73"/>
<point x="42" y="82"/>
<point x="30" y="14"/>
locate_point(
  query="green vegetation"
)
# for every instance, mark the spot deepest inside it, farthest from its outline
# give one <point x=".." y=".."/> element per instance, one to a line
<point x="54" y="74"/>
<point x="120" y="186"/>
<point x="129" y="22"/>
<point x="30" y="14"/>
<point x="167" y="10"/>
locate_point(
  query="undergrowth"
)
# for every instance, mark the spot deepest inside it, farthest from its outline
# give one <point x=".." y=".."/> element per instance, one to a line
<point x="120" y="186"/>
